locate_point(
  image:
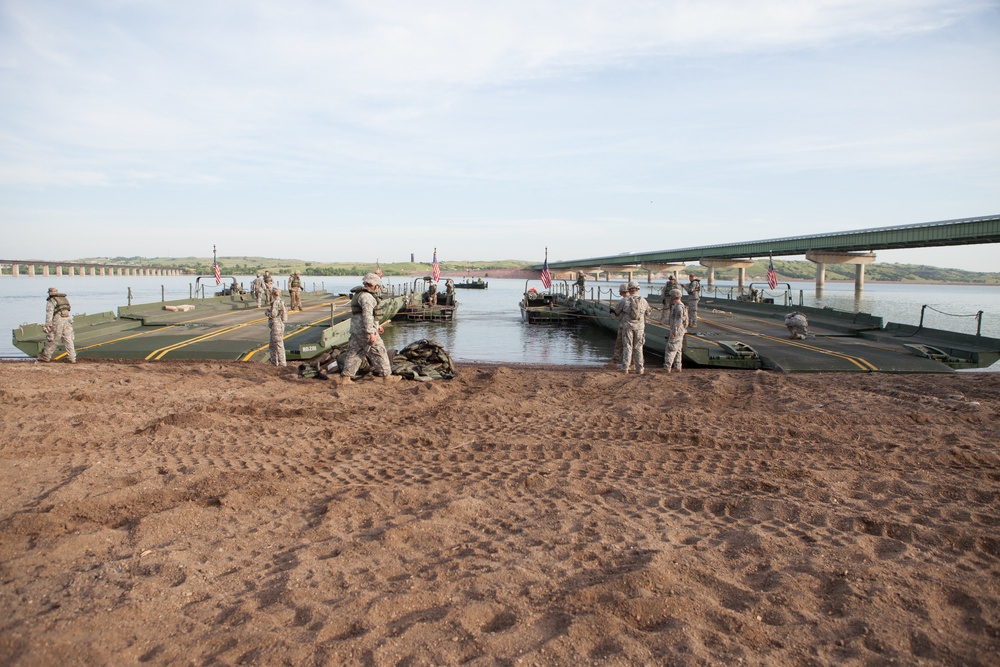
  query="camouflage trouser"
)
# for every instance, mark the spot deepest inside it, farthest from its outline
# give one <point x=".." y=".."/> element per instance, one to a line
<point x="617" y="359"/>
<point x="277" y="345"/>
<point x="359" y="348"/>
<point x="61" y="331"/>
<point x="296" y="299"/>
<point x="693" y="311"/>
<point x="674" y="353"/>
<point x="633" y="338"/>
<point x="260" y="297"/>
<point x="797" y="331"/>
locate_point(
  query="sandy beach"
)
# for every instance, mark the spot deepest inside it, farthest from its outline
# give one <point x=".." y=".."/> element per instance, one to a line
<point x="220" y="513"/>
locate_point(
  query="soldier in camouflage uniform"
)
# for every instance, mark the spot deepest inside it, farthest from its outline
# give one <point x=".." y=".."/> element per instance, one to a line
<point x="670" y="286"/>
<point x="677" y="319"/>
<point x="633" y="326"/>
<point x="294" y="287"/>
<point x="268" y="286"/>
<point x="276" y="318"/>
<point x="432" y="291"/>
<point x="796" y="323"/>
<point x="58" y="326"/>
<point x="694" y="296"/>
<point x="617" y="310"/>
<point x="365" y="341"/>
<point x="257" y="289"/>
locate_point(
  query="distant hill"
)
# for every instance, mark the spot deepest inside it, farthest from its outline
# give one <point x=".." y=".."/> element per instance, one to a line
<point x="786" y="269"/>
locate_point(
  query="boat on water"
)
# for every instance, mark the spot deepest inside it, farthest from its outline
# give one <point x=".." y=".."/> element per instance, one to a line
<point x="423" y="303"/>
<point x="227" y="326"/>
<point x="555" y="305"/>
<point x="468" y="283"/>
<point x="747" y="334"/>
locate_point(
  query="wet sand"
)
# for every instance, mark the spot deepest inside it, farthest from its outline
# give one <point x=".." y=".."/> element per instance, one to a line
<point x="220" y="513"/>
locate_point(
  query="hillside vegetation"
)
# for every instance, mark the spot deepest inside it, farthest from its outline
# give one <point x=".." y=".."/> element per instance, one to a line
<point x="786" y="269"/>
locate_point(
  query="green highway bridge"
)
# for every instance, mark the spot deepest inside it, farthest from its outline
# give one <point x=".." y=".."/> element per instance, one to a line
<point x="849" y="247"/>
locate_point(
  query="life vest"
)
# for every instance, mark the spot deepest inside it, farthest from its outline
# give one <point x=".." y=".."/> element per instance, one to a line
<point x="356" y="302"/>
<point x="295" y="282"/>
<point x="61" y="304"/>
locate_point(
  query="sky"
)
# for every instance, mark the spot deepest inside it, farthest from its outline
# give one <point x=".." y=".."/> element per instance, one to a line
<point x="375" y="129"/>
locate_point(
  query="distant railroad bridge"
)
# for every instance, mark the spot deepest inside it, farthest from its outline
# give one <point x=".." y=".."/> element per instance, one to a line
<point x="34" y="267"/>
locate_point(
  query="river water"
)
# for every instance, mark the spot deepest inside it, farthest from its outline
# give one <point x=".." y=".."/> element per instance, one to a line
<point x="487" y="325"/>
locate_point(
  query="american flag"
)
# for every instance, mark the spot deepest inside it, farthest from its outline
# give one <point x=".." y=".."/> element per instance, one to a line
<point x="546" y="275"/>
<point x="215" y="267"/>
<point x="772" y="277"/>
<point x="435" y="270"/>
<point x="378" y="269"/>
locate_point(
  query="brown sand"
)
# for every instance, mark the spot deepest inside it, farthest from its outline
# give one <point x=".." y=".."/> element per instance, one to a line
<point x="215" y="513"/>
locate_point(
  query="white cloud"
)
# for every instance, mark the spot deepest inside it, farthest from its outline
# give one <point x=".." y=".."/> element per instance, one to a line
<point x="472" y="117"/>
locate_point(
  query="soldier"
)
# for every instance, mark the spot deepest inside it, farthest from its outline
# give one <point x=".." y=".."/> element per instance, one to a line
<point x="268" y="286"/>
<point x="294" y="287"/>
<point x="665" y="296"/>
<point x="581" y="285"/>
<point x="432" y="299"/>
<point x="694" y="295"/>
<point x="365" y="341"/>
<point x="276" y="318"/>
<point x="617" y="310"/>
<point x="796" y="323"/>
<point x="633" y="326"/>
<point x="58" y="326"/>
<point x="449" y="292"/>
<point x="677" y="319"/>
<point x="257" y="289"/>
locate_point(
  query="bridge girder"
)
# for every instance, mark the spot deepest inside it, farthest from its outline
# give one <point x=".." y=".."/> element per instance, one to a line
<point x="964" y="231"/>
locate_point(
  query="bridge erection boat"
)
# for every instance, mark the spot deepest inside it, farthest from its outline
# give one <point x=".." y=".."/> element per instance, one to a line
<point x="744" y="334"/>
<point x="468" y="283"/>
<point x="553" y="306"/>
<point x="425" y="303"/>
<point x="215" y="327"/>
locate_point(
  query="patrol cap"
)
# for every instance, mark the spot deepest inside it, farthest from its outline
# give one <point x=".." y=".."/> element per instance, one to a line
<point x="372" y="279"/>
<point x="675" y="293"/>
<point x="53" y="290"/>
<point x="623" y="288"/>
<point x="275" y="290"/>
<point x="633" y="285"/>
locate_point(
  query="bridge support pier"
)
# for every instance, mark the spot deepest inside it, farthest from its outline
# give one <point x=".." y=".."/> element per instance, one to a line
<point x="823" y="258"/>
<point x="15" y="270"/>
<point x="740" y="264"/>
<point x="652" y="268"/>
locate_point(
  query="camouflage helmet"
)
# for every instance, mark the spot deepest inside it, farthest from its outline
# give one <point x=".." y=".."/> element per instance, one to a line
<point x="675" y="294"/>
<point x="623" y="288"/>
<point x="633" y="286"/>
<point x="372" y="279"/>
